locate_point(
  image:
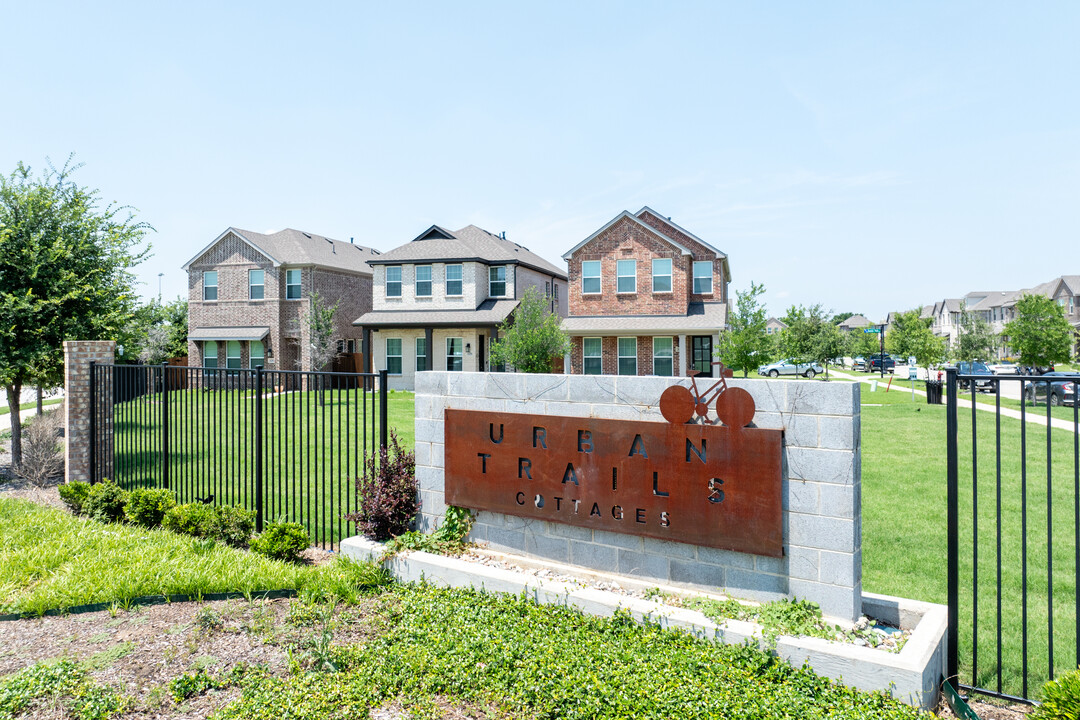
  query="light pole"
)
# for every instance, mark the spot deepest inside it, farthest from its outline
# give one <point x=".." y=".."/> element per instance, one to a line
<point x="159" y="287"/>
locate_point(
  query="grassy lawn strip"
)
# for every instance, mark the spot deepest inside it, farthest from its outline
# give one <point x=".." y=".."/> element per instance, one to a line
<point x="53" y="560"/>
<point x="529" y="660"/>
<point x="26" y="406"/>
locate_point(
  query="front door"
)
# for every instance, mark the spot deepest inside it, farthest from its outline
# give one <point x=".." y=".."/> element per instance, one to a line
<point x="701" y="354"/>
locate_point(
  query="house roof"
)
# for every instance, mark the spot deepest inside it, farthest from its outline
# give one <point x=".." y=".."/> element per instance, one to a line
<point x="708" y="317"/>
<point x="775" y="321"/>
<point x="297" y="247"/>
<point x="855" y="321"/>
<point x="469" y="244"/>
<point x="490" y="312"/>
<point x="229" y="333"/>
<point x="684" y="231"/>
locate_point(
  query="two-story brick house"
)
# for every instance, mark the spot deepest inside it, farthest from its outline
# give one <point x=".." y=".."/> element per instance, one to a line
<point x="248" y="291"/>
<point x="647" y="297"/>
<point x="438" y="300"/>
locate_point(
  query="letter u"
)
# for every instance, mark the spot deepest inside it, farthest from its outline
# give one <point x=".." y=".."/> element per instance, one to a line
<point x="491" y="433"/>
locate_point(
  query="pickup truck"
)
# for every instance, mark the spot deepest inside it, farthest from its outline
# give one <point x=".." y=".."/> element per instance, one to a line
<point x="874" y="363"/>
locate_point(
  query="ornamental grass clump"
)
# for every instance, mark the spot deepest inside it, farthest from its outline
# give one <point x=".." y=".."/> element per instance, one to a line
<point x="1060" y="698"/>
<point x="387" y="499"/>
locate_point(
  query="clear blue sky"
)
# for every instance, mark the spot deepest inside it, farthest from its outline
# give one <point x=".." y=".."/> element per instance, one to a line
<point x="865" y="156"/>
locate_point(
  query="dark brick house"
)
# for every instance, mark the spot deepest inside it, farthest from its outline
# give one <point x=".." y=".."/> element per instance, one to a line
<point x="247" y="292"/>
<point x="646" y="298"/>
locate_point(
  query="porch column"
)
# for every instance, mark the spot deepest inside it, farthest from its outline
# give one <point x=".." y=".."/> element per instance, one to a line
<point x="682" y="356"/>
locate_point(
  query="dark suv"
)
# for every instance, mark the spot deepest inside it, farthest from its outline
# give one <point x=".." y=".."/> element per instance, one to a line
<point x="874" y="363"/>
<point x="976" y="368"/>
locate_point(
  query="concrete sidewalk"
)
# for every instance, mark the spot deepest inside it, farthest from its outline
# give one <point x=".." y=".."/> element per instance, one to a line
<point x="5" y="419"/>
<point x="1035" y="418"/>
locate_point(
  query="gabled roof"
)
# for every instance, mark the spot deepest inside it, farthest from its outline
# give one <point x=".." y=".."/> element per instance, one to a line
<point x="684" y="231"/>
<point x="625" y="214"/>
<point x="296" y="247"/>
<point x="775" y="321"/>
<point x="469" y="244"/>
<point x="855" y="321"/>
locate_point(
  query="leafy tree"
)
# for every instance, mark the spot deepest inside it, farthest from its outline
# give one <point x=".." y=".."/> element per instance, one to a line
<point x="975" y="339"/>
<point x="858" y="343"/>
<point x="531" y="336"/>
<point x="1040" y="334"/>
<point x="810" y="336"/>
<point x="157" y="332"/>
<point x="840" y="317"/>
<point x="65" y="274"/>
<point x="318" y="321"/>
<point x="745" y="344"/>
<point x="910" y="335"/>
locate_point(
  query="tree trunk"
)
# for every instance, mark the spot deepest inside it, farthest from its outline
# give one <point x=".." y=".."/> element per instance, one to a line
<point x="40" y="408"/>
<point x="13" y="392"/>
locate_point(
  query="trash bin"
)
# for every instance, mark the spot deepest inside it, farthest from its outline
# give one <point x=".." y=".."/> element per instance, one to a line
<point x="933" y="392"/>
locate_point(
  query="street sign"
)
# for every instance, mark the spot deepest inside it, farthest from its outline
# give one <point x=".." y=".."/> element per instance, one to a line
<point x="872" y="330"/>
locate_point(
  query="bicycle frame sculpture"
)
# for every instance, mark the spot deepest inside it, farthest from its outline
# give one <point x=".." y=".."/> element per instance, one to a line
<point x="734" y="406"/>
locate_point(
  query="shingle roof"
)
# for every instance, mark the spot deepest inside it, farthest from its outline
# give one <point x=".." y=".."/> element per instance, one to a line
<point x="470" y="243"/>
<point x="709" y="317"/>
<point x="490" y="312"/>
<point x="855" y="321"/>
<point x="296" y="247"/>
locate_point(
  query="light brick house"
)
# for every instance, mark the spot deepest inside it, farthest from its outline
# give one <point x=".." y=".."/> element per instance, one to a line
<point x="438" y="300"/>
<point x="646" y="298"/>
<point x="248" y="291"/>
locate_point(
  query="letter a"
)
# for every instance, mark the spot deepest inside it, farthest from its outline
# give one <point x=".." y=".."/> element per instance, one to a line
<point x="570" y="475"/>
<point x="638" y="447"/>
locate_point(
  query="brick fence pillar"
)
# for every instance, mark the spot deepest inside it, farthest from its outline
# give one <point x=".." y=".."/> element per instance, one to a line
<point x="78" y="354"/>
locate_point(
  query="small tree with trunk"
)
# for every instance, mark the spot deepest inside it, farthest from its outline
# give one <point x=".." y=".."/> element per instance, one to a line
<point x="318" y="321"/>
<point x="975" y="340"/>
<point x="531" y="336"/>
<point x="745" y="344"/>
<point x="1040" y="333"/>
<point x="810" y="336"/>
<point x="910" y="335"/>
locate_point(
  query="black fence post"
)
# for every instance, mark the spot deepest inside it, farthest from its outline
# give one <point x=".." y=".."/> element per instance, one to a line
<point x="165" y="425"/>
<point x="93" y="425"/>
<point x="259" y="448"/>
<point x="383" y="420"/>
<point x="953" y="484"/>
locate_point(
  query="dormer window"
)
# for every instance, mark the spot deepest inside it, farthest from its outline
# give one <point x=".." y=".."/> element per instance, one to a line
<point x="497" y="281"/>
<point x="393" y="281"/>
<point x="423" y="281"/>
<point x="209" y="285"/>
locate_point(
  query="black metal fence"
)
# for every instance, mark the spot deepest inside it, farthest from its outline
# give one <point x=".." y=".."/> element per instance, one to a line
<point x="1013" y="532"/>
<point x="289" y="445"/>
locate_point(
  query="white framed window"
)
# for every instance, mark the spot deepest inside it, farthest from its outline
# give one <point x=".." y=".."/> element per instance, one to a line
<point x="393" y="356"/>
<point x="555" y="289"/>
<point x="423" y="281"/>
<point x="663" y="357"/>
<point x="590" y="277"/>
<point x="256" y="354"/>
<point x="453" y="354"/>
<point x="421" y="354"/>
<point x="703" y="277"/>
<point x="661" y="275"/>
<point x="592" y="351"/>
<point x="453" y="280"/>
<point x="256" y="284"/>
<point x="626" y="274"/>
<point x="497" y="281"/>
<point x="393" y="281"/>
<point x="628" y="356"/>
<point x="547" y="289"/>
<point x="209" y="285"/>
<point x="209" y="353"/>
<point x="232" y="355"/>
<point x="292" y="284"/>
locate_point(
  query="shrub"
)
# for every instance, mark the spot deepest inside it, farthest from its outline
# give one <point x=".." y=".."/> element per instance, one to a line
<point x="74" y="495"/>
<point x="147" y="507"/>
<point x="42" y="451"/>
<point x="105" y="501"/>
<point x="234" y="525"/>
<point x="1060" y="698"/>
<point x="282" y="541"/>
<point x="387" y="501"/>
<point x="194" y="519"/>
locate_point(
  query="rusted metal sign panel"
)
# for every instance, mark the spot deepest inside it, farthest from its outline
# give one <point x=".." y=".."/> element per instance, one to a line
<point x="704" y="484"/>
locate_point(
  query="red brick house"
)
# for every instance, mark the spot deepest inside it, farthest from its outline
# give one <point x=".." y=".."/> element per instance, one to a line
<point x="646" y="298"/>
<point x="247" y="292"/>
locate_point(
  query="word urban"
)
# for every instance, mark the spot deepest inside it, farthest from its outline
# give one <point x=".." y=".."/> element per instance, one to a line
<point x="709" y="485"/>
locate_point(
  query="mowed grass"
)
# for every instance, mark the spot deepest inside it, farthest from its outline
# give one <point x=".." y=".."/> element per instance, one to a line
<point x="904" y="531"/>
<point x="314" y="447"/>
<point x="52" y="560"/>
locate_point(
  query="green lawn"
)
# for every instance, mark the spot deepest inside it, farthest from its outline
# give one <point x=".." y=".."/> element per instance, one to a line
<point x="904" y="528"/>
<point x="27" y="406"/>
<point x="314" y="449"/>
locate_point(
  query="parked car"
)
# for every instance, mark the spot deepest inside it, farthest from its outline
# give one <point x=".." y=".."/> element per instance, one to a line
<point x="875" y="362"/>
<point x="788" y="367"/>
<point x="858" y="363"/>
<point x="1062" y="392"/>
<point x="1004" y="368"/>
<point x="975" y="368"/>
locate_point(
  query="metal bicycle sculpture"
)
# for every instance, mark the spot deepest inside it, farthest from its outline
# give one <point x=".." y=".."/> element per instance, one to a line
<point x="734" y="406"/>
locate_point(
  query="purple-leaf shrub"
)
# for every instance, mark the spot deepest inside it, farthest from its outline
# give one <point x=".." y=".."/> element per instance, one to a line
<point x="386" y="497"/>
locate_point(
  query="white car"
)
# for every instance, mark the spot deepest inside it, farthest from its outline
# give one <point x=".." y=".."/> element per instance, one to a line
<point x="789" y="367"/>
<point x="1004" y="368"/>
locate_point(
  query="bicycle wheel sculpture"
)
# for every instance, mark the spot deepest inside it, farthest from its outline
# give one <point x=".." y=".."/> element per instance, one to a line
<point x="734" y="406"/>
<point x="677" y="405"/>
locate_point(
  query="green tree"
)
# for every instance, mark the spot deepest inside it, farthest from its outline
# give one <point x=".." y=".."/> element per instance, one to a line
<point x="975" y="340"/>
<point x="861" y="344"/>
<point x="1040" y="334"/>
<point x="317" y="321"/>
<point x="745" y="344"/>
<point x="157" y="332"/>
<point x="65" y="274"/>
<point x="910" y="335"/>
<point x="531" y="336"/>
<point x="810" y="336"/>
